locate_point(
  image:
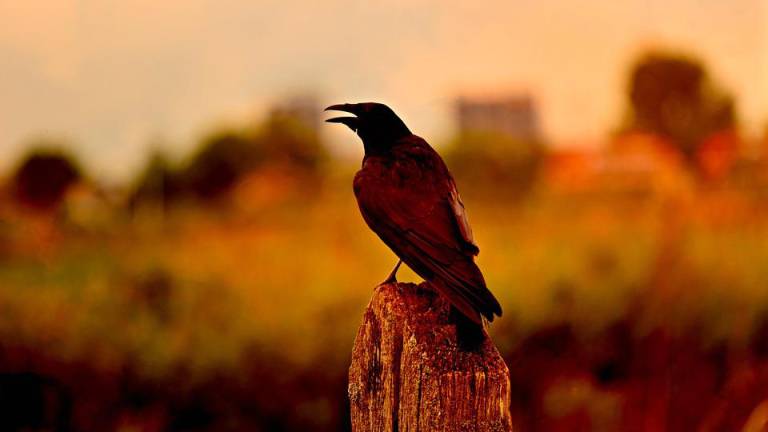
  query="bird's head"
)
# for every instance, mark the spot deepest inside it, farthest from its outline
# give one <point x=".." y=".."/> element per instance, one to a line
<point x="376" y="124"/>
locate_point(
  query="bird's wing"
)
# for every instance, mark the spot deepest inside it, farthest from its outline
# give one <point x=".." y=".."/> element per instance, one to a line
<point x="426" y="227"/>
<point x="462" y="222"/>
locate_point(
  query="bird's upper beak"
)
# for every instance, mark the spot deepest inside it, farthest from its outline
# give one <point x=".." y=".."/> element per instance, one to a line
<point x="351" y="122"/>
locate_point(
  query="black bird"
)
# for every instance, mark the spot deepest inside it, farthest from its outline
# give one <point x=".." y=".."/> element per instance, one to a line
<point x="408" y="198"/>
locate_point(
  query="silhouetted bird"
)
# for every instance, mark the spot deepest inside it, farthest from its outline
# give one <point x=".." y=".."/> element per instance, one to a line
<point x="409" y="199"/>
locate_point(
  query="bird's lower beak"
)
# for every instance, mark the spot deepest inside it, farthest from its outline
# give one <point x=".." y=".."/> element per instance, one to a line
<point x="351" y="122"/>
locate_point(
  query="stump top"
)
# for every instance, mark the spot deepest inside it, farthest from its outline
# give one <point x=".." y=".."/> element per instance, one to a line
<point x="426" y="318"/>
<point x="408" y="372"/>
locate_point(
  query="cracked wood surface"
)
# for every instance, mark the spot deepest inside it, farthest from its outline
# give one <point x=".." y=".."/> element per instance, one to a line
<point x="407" y="373"/>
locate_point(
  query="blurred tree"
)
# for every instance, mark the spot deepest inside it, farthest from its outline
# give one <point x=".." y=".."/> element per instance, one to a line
<point x="223" y="157"/>
<point x="286" y="140"/>
<point x="227" y="155"/>
<point x="482" y="158"/>
<point x="42" y="178"/>
<point x="158" y="183"/>
<point x="673" y="96"/>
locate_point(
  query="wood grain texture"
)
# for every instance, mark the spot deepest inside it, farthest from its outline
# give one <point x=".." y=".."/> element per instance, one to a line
<point x="407" y="373"/>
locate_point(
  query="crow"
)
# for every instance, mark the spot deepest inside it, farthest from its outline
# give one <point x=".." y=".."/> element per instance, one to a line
<point x="409" y="199"/>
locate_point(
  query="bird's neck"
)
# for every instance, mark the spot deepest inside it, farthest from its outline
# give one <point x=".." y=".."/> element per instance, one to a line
<point x="382" y="146"/>
<point x="376" y="149"/>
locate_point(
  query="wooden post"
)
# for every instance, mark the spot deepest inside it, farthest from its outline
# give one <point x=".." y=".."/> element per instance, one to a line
<point x="407" y="373"/>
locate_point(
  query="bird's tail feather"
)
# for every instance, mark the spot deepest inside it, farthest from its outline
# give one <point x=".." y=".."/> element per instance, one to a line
<point x="458" y="300"/>
<point x="468" y="293"/>
<point x="469" y="334"/>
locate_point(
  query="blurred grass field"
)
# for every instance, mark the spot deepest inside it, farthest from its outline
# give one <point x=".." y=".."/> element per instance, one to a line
<point x="278" y="284"/>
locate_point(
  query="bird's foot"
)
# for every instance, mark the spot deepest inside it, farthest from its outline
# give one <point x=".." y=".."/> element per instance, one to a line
<point x="392" y="278"/>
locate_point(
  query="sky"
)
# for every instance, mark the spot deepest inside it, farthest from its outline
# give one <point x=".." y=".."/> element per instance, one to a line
<point x="117" y="78"/>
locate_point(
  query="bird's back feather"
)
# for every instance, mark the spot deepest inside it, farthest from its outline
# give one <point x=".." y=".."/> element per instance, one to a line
<point x="410" y="200"/>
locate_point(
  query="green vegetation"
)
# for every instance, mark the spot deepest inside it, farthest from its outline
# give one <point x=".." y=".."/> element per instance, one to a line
<point x="214" y="293"/>
<point x="44" y="175"/>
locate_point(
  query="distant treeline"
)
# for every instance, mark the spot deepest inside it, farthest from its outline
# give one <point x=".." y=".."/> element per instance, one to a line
<point x="223" y="157"/>
<point x="43" y="176"/>
<point x="668" y="94"/>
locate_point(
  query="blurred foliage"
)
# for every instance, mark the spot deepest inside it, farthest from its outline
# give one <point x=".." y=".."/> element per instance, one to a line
<point x="674" y="96"/>
<point x="483" y="161"/>
<point x="227" y="320"/>
<point x="225" y="156"/>
<point x="285" y="140"/>
<point x="222" y="158"/>
<point x="44" y="175"/>
<point x="621" y="308"/>
<point x="158" y="182"/>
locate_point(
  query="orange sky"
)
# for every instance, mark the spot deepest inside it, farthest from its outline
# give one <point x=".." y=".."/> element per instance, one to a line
<point x="113" y="76"/>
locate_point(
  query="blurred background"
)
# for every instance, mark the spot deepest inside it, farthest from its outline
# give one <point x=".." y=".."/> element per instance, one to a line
<point x="180" y="248"/>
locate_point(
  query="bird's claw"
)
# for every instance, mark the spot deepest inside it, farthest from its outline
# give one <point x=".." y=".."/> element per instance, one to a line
<point x="389" y="280"/>
<point x="392" y="278"/>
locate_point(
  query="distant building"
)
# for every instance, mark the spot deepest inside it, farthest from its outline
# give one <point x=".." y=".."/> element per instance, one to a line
<point x="515" y="116"/>
<point x="303" y="109"/>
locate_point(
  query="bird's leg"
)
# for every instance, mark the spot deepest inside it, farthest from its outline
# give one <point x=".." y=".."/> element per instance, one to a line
<point x="392" y="278"/>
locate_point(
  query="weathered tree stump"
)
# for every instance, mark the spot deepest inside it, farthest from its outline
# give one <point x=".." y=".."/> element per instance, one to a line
<point x="408" y="374"/>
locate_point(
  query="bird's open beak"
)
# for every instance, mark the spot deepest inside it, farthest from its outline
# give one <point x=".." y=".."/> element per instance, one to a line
<point x="351" y="122"/>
